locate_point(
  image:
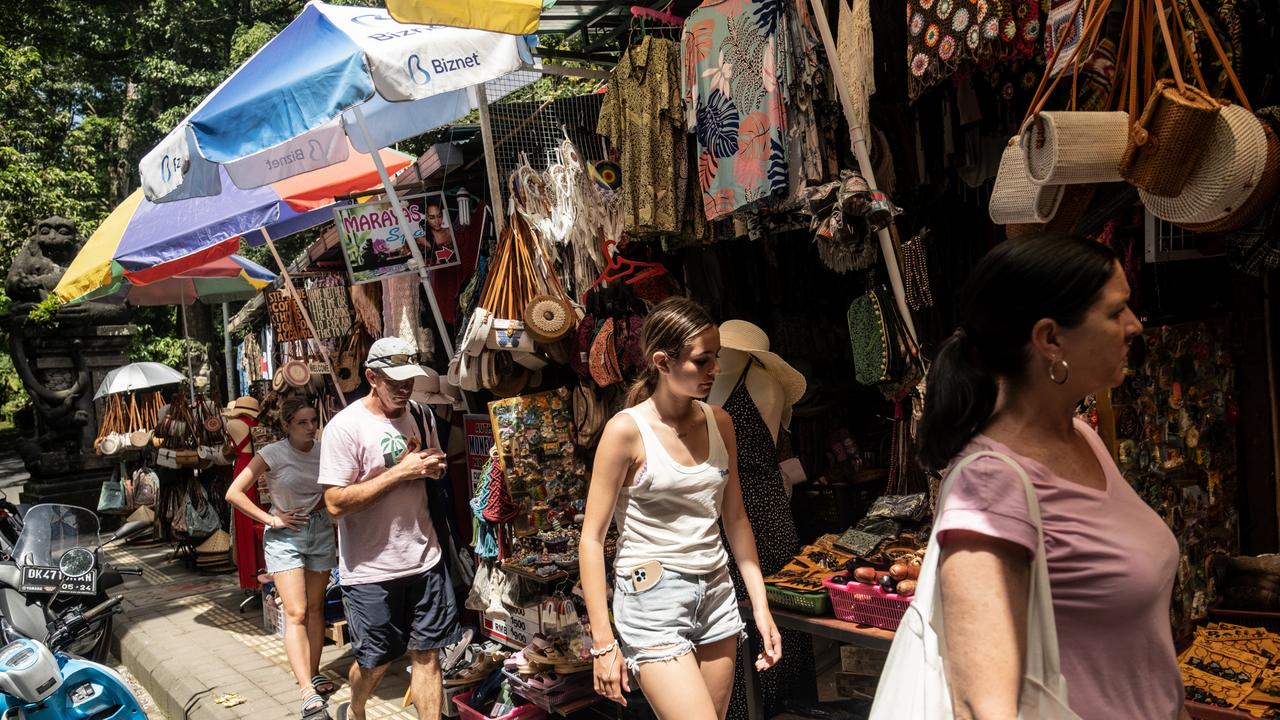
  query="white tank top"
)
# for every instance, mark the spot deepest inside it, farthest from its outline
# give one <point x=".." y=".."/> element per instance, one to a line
<point x="671" y="512"/>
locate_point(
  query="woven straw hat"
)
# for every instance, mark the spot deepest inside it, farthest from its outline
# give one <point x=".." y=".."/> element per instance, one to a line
<point x="242" y="406"/>
<point x="1232" y="165"/>
<point x="745" y="337"/>
<point x="217" y="543"/>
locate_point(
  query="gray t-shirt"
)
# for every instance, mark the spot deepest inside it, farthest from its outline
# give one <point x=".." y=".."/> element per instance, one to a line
<point x="292" y="480"/>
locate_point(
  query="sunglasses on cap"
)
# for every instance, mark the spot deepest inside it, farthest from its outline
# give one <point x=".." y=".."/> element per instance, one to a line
<point x="395" y="360"/>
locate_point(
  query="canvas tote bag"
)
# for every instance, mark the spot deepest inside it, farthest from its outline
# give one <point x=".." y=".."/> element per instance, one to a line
<point x="913" y="683"/>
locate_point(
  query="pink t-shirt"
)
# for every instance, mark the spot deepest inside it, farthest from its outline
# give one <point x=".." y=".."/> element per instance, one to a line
<point x="1111" y="567"/>
<point x="394" y="536"/>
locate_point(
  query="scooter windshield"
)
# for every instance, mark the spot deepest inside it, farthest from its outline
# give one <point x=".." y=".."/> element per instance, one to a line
<point x="50" y="530"/>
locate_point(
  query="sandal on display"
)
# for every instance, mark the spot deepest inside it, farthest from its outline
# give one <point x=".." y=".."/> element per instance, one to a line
<point x="573" y="666"/>
<point x="478" y="670"/>
<point x="546" y="681"/>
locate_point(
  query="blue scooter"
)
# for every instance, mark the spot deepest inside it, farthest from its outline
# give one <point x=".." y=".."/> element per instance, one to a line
<point x="43" y="682"/>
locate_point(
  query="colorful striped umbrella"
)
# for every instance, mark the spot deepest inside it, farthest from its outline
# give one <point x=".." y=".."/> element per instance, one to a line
<point x="143" y="242"/>
<point x="228" y="279"/>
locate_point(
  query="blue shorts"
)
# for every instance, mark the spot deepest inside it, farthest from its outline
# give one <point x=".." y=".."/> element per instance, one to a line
<point x="312" y="546"/>
<point x="674" y="616"/>
<point x="417" y="612"/>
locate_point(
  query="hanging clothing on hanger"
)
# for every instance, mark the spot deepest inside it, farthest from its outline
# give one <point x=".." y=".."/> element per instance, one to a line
<point x="641" y="115"/>
<point x="734" y="80"/>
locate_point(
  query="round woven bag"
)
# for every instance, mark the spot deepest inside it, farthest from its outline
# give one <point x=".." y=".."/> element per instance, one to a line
<point x="1263" y="193"/>
<point x="548" y="318"/>
<point x="1232" y="165"/>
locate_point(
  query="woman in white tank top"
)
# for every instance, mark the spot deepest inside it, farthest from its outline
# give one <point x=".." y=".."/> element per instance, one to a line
<point x="666" y="474"/>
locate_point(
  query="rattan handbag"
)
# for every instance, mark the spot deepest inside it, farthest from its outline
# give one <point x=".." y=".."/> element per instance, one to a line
<point x="1069" y="147"/>
<point x="1168" y="137"/>
<point x="1226" y="175"/>
<point x="1015" y="199"/>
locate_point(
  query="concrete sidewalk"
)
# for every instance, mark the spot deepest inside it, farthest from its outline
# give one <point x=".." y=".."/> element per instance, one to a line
<point x="182" y="636"/>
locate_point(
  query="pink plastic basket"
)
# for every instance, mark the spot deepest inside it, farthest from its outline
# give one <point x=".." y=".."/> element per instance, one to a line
<point x="867" y="604"/>
<point x="524" y="712"/>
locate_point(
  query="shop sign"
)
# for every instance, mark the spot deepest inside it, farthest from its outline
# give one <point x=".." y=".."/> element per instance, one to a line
<point x="330" y="311"/>
<point x="375" y="248"/>
<point x="479" y="432"/>
<point x="286" y="318"/>
<point x="524" y="623"/>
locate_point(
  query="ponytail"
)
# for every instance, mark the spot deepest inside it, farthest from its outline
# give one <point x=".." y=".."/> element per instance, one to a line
<point x="960" y="399"/>
<point x="642" y="387"/>
<point x="1013" y="287"/>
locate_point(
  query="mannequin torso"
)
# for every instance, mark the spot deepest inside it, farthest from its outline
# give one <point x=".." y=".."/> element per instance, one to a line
<point x="765" y="391"/>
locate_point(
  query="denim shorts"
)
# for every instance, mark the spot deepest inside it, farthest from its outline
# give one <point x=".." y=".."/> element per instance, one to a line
<point x="674" y="616"/>
<point x="312" y="546"/>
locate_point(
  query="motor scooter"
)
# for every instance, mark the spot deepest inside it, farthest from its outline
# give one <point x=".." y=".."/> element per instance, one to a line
<point x="40" y="681"/>
<point x="57" y="568"/>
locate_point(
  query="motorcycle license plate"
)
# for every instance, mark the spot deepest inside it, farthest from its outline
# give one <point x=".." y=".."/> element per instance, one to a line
<point x="37" y="579"/>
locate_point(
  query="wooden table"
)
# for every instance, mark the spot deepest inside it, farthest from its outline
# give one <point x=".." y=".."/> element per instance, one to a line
<point x="824" y="627"/>
<point x="832" y="629"/>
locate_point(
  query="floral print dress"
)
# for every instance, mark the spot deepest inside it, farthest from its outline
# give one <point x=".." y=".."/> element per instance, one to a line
<point x="734" y="83"/>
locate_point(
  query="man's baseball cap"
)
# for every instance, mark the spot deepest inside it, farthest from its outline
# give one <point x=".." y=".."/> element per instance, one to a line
<point x="395" y="357"/>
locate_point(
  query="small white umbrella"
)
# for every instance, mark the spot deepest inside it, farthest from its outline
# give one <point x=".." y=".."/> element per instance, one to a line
<point x="137" y="376"/>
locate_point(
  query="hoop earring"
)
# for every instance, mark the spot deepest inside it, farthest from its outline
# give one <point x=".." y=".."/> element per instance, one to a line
<point x="1066" y="372"/>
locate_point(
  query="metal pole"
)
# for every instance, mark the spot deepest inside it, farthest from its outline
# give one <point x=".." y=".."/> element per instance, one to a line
<point x="888" y="249"/>
<point x="490" y="160"/>
<point x="306" y="316"/>
<point x="423" y="274"/>
<point x="227" y="356"/>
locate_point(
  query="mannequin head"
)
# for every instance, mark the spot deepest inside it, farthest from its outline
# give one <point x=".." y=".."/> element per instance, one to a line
<point x="680" y="344"/>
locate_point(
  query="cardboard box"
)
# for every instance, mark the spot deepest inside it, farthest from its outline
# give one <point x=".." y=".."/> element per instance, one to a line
<point x="272" y="614"/>
<point x="861" y="660"/>
<point x="449" y="708"/>
<point x="856" y="687"/>
<point x="519" y="630"/>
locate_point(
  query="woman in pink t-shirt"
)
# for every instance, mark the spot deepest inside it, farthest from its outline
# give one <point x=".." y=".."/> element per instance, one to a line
<point x="1044" y="322"/>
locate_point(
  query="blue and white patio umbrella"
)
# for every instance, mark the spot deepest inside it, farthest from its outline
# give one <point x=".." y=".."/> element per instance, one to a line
<point x="286" y="109"/>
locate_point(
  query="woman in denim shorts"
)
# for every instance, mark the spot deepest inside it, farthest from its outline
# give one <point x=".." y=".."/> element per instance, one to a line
<point x="299" y="543"/>
<point x="666" y="474"/>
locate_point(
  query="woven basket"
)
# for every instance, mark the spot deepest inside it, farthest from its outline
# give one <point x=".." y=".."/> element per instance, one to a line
<point x="1228" y="171"/>
<point x="1070" y="148"/>
<point x="1263" y="193"/>
<point x="1017" y="200"/>
<point x="1168" y="138"/>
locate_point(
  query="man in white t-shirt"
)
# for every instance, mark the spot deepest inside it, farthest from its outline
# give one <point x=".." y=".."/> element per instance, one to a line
<point x="395" y="589"/>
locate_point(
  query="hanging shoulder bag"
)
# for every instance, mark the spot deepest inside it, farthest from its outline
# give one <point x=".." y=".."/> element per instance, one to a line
<point x="111" y="499"/>
<point x="913" y="683"/>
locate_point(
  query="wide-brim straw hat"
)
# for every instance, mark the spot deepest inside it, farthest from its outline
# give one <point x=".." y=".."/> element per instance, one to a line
<point x="749" y="338"/>
<point x="242" y="406"/>
<point x="216" y="544"/>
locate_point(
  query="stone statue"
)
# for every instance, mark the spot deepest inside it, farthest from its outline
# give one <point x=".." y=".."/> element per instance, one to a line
<point x="40" y="264"/>
<point x="52" y="363"/>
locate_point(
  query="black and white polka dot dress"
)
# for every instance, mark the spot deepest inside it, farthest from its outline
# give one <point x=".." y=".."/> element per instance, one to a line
<point x="764" y="495"/>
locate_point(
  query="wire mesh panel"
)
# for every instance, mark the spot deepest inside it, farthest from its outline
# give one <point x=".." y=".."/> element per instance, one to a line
<point x="1166" y="242"/>
<point x="535" y="129"/>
